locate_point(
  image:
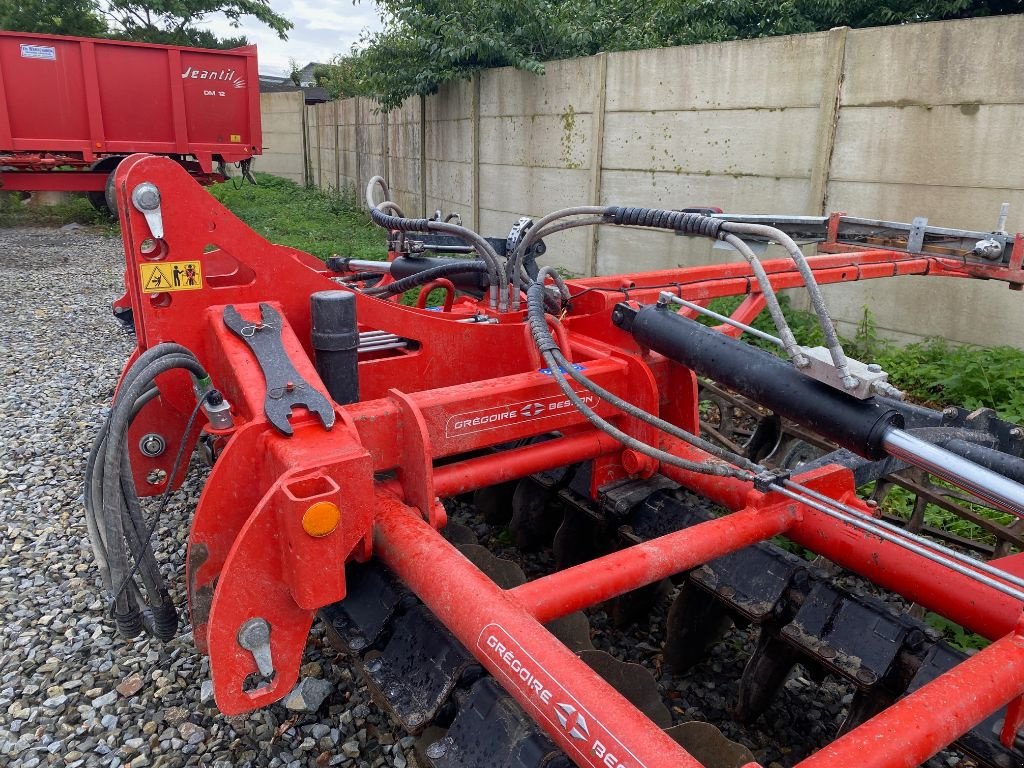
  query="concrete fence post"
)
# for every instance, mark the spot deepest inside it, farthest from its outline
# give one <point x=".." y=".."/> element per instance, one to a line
<point x="423" y="155"/>
<point x="304" y="130"/>
<point x="317" y="112"/>
<point x="474" y="110"/>
<point x="828" y="120"/>
<point x="337" y="147"/>
<point x="385" y="147"/>
<point x="597" y="152"/>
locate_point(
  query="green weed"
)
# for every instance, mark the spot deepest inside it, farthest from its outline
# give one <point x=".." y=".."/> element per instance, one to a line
<point x="323" y="224"/>
<point x="76" y="209"/>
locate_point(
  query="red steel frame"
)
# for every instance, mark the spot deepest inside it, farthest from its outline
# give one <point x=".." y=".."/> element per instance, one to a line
<point x="249" y="556"/>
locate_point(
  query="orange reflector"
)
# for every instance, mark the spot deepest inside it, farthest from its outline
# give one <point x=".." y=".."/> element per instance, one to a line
<point x="321" y="518"/>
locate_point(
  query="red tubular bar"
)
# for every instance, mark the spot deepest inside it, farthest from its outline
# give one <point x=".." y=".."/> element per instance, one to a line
<point x="468" y="475"/>
<point x="603" y="578"/>
<point x="523" y="656"/>
<point x="957" y="597"/>
<point x="915" y="728"/>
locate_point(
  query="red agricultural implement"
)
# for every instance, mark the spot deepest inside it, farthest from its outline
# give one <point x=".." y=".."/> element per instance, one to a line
<point x="71" y="108"/>
<point x="337" y="418"/>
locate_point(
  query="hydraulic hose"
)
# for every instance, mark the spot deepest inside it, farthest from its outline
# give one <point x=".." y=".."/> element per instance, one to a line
<point x="402" y="224"/>
<point x="828" y="328"/>
<point x="456" y="267"/>
<point x="127" y="616"/>
<point x="547" y="346"/>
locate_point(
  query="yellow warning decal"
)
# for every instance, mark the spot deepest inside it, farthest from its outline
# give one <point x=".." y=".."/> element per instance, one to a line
<point x="171" y="276"/>
<point x="236" y="138"/>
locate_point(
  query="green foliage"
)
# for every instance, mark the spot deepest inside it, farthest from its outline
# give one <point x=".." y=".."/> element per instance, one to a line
<point x="427" y="43"/>
<point x="54" y="17"/>
<point x="954" y="634"/>
<point x="317" y="222"/>
<point x="76" y="209"/>
<point x="938" y="374"/>
<point x="899" y="502"/>
<point x="150" y="21"/>
<point x="174" y="23"/>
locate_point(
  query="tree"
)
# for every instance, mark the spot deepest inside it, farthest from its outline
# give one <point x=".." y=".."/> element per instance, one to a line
<point x="54" y="17"/>
<point x="425" y="43"/>
<point x="173" y="22"/>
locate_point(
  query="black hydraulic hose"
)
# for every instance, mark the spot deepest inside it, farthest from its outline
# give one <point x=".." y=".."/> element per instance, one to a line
<point x="93" y="481"/>
<point x="858" y="425"/>
<point x="657" y="218"/>
<point x="128" y="617"/>
<point x="480" y="245"/>
<point x="93" y="484"/>
<point x="456" y="267"/>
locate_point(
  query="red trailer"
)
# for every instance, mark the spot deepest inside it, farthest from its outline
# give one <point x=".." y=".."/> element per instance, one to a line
<point x="73" y="108"/>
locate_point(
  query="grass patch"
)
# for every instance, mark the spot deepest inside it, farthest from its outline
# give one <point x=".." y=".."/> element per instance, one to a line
<point x="313" y="221"/>
<point x="76" y="209"/>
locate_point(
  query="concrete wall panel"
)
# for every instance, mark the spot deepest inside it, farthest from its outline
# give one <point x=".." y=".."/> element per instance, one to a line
<point x="947" y="145"/>
<point x="769" y="72"/>
<point x="531" y="191"/>
<point x="282" y="135"/>
<point x="946" y="62"/>
<point x="565" y="85"/>
<point x="760" y="142"/>
<point x="553" y="141"/>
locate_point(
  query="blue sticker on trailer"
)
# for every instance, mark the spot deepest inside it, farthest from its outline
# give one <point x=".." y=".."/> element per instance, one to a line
<point x="44" y="52"/>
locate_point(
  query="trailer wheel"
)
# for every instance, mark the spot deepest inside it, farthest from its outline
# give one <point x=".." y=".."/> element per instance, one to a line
<point x="105" y="201"/>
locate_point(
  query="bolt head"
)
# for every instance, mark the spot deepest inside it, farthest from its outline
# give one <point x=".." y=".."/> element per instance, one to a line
<point x="438" y="749"/>
<point x="146" y="197"/>
<point x="874" y="368"/>
<point x="1017" y="432"/>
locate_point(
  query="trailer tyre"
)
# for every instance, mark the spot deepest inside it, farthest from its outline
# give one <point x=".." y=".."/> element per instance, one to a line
<point x="106" y="201"/>
<point x="110" y="196"/>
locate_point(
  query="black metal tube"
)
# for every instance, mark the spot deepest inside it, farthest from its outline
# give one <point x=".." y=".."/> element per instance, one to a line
<point x="1003" y="463"/>
<point x="774" y="383"/>
<point x="336" y="343"/>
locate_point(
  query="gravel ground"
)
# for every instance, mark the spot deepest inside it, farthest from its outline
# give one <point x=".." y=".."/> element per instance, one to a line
<point x="72" y="692"/>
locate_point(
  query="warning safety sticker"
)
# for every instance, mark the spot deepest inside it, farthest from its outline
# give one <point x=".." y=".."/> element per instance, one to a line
<point x="171" y="276"/>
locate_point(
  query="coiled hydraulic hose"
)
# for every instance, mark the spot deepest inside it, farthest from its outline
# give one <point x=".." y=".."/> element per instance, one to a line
<point x="112" y="503"/>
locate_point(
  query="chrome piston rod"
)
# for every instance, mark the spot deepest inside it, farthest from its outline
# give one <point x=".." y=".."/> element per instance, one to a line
<point x="994" y="489"/>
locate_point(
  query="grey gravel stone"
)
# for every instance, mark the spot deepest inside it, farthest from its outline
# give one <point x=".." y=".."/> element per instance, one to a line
<point x="308" y="695"/>
<point x="61" y="352"/>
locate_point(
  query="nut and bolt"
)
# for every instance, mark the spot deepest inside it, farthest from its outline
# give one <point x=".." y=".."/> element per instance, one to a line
<point x="950" y="413"/>
<point x="438" y="748"/>
<point x="866" y="676"/>
<point x="146" y="197"/>
<point x="1017" y="432"/>
<point x="152" y="445"/>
